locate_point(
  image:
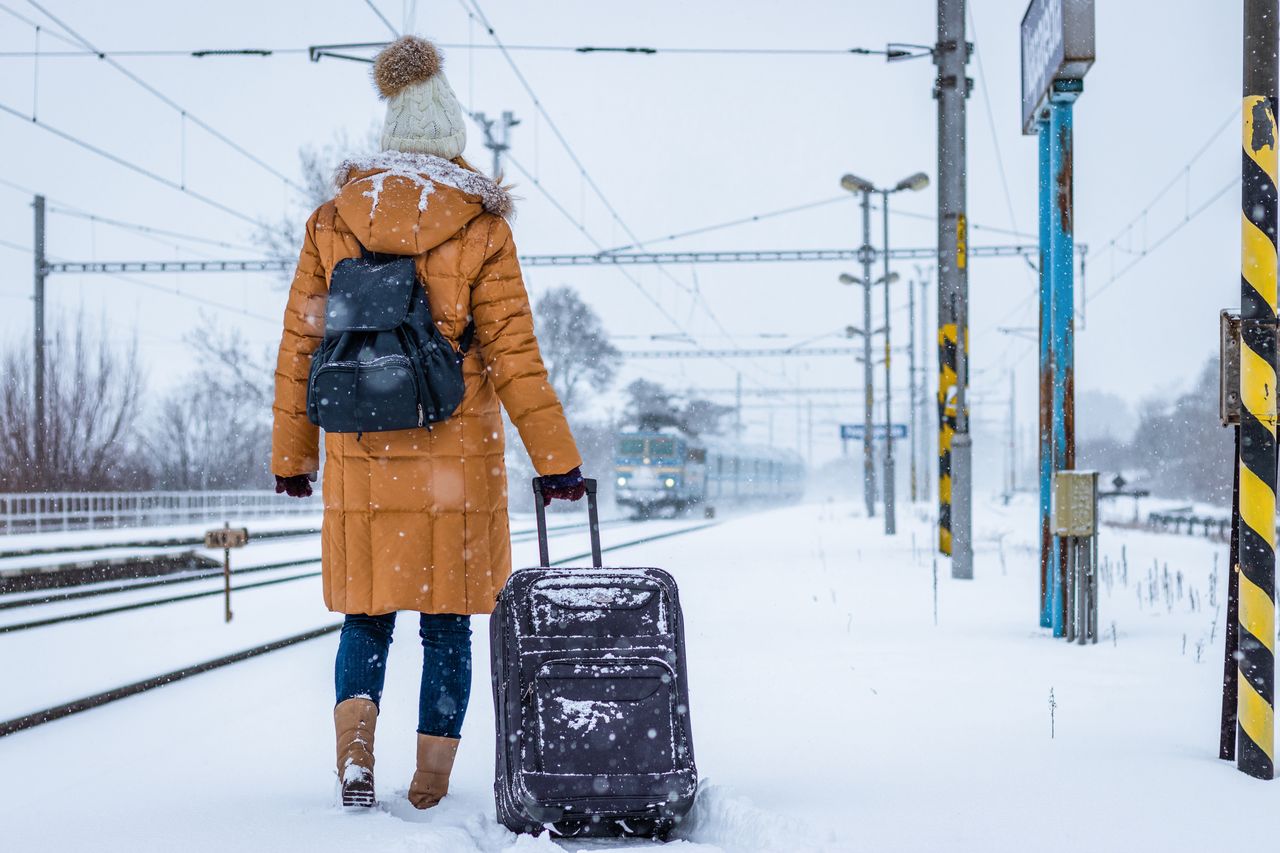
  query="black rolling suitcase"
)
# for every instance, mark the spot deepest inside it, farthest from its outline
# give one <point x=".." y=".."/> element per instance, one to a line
<point x="590" y="698"/>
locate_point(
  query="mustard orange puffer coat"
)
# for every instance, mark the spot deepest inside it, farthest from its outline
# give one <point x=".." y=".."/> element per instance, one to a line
<point x="417" y="519"/>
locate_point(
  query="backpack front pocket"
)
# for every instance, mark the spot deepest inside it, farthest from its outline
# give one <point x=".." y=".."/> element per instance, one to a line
<point x="367" y="396"/>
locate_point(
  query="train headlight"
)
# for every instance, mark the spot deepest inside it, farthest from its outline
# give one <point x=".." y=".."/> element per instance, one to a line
<point x="671" y="483"/>
<point x="622" y="481"/>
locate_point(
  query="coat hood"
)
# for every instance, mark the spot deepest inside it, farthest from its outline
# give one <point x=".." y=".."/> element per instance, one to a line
<point x="407" y="204"/>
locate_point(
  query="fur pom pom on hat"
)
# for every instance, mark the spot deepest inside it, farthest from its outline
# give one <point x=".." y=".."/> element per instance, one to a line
<point x="405" y="61"/>
<point x="423" y="113"/>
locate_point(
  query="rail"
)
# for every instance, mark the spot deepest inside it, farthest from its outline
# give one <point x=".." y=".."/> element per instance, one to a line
<point x="39" y="512"/>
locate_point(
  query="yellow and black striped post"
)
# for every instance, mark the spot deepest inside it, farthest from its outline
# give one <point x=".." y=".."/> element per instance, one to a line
<point x="1255" y="709"/>
<point x="946" y="428"/>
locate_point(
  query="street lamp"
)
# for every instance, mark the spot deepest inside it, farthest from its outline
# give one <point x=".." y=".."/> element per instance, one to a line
<point x="915" y="182"/>
<point x="854" y="184"/>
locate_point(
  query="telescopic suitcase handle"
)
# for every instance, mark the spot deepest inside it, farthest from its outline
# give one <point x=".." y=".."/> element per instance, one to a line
<point x="593" y="515"/>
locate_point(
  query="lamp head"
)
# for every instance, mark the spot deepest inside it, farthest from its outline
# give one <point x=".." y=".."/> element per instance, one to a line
<point x="854" y="184"/>
<point x="845" y="278"/>
<point x="915" y="182"/>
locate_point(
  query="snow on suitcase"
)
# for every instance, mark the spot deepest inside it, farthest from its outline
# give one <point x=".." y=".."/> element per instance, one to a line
<point x="590" y="697"/>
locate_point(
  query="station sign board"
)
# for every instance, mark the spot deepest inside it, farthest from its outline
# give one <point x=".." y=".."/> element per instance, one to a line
<point x="856" y="432"/>
<point x="1057" y="44"/>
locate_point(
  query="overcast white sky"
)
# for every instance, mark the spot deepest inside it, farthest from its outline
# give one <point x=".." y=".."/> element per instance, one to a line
<point x="675" y="142"/>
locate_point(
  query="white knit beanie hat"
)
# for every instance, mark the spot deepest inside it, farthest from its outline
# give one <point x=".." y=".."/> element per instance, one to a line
<point x="423" y="113"/>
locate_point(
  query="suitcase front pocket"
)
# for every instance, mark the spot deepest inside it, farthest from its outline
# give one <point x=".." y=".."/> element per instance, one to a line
<point x="606" y="716"/>
<point x="590" y="608"/>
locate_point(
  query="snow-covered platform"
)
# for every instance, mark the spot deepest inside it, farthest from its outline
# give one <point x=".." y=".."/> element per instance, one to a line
<point x="829" y="711"/>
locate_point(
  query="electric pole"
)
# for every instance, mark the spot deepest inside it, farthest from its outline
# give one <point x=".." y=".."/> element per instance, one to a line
<point x="911" y="379"/>
<point x="499" y="143"/>
<point x="951" y="89"/>
<point x="737" y="408"/>
<point x="868" y="462"/>
<point x="37" y="339"/>
<point x="922" y="402"/>
<point x="1013" y="432"/>
<point x="1255" y="505"/>
<point x="890" y="511"/>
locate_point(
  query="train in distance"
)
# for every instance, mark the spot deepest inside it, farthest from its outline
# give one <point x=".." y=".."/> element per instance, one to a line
<point x="669" y="470"/>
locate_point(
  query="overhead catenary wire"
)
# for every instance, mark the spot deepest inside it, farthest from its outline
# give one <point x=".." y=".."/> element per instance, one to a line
<point x="149" y="229"/>
<point x="991" y="124"/>
<point x="1015" y="347"/>
<point x="62" y="208"/>
<point x="662" y="309"/>
<point x="579" y="50"/>
<point x="476" y="13"/>
<point x="759" y="217"/>
<point x="382" y="17"/>
<point x="186" y="114"/>
<point x="129" y="164"/>
<point x="199" y="300"/>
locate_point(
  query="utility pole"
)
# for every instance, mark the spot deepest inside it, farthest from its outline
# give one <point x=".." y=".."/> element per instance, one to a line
<point x="924" y="396"/>
<point x="951" y="89"/>
<point x="1013" y="432"/>
<point x="911" y="379"/>
<point x="890" y="512"/>
<point x="1062" y="100"/>
<point x="737" y="408"/>
<point x="499" y="143"/>
<point x="37" y="339"/>
<point x="810" y="406"/>
<point x="867" y="254"/>
<point x="1255" y="506"/>
<point x="1048" y="554"/>
<point x="1057" y="51"/>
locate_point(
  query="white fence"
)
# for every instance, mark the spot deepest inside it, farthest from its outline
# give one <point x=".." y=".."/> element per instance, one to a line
<point x="34" y="512"/>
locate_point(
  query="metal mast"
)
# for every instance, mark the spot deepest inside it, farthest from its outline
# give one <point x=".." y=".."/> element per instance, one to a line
<point x="951" y="89"/>
<point x="868" y="462"/>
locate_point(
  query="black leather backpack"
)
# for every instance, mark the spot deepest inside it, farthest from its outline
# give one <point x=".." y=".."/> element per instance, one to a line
<point x="383" y="365"/>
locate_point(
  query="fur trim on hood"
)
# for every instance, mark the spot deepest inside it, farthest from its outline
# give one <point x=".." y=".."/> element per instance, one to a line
<point x="494" y="198"/>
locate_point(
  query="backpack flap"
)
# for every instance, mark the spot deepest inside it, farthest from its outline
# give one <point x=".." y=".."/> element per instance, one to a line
<point x="369" y="295"/>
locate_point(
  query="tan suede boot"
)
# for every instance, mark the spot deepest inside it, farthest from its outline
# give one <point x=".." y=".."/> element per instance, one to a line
<point x="435" y="762"/>
<point x="354" y="721"/>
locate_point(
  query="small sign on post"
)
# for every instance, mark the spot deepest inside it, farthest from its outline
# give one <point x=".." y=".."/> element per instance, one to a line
<point x="855" y="432"/>
<point x="226" y="538"/>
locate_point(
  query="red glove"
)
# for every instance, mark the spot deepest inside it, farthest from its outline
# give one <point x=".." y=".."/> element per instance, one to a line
<point x="297" y="486"/>
<point x="563" y="487"/>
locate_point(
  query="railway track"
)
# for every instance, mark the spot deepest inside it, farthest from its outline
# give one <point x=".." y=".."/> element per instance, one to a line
<point x="97" y="700"/>
<point x="177" y="599"/>
<point x="52" y="598"/>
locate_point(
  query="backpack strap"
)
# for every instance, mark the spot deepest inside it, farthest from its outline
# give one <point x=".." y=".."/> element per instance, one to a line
<point x="468" y="337"/>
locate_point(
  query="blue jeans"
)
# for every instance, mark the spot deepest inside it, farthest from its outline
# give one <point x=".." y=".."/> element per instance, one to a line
<point x="361" y="667"/>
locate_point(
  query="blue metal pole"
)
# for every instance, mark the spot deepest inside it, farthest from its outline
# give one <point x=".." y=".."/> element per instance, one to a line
<point x="1061" y="265"/>
<point x="1046" y="385"/>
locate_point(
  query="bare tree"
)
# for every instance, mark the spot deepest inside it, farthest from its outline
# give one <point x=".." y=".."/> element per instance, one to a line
<point x="92" y="395"/>
<point x="574" y="344"/>
<point x="214" y="430"/>
<point x="651" y="406"/>
<point x="281" y="240"/>
<point x="1178" y="450"/>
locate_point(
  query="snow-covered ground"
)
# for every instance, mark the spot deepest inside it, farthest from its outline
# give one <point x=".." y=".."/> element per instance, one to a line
<point x="829" y="712"/>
